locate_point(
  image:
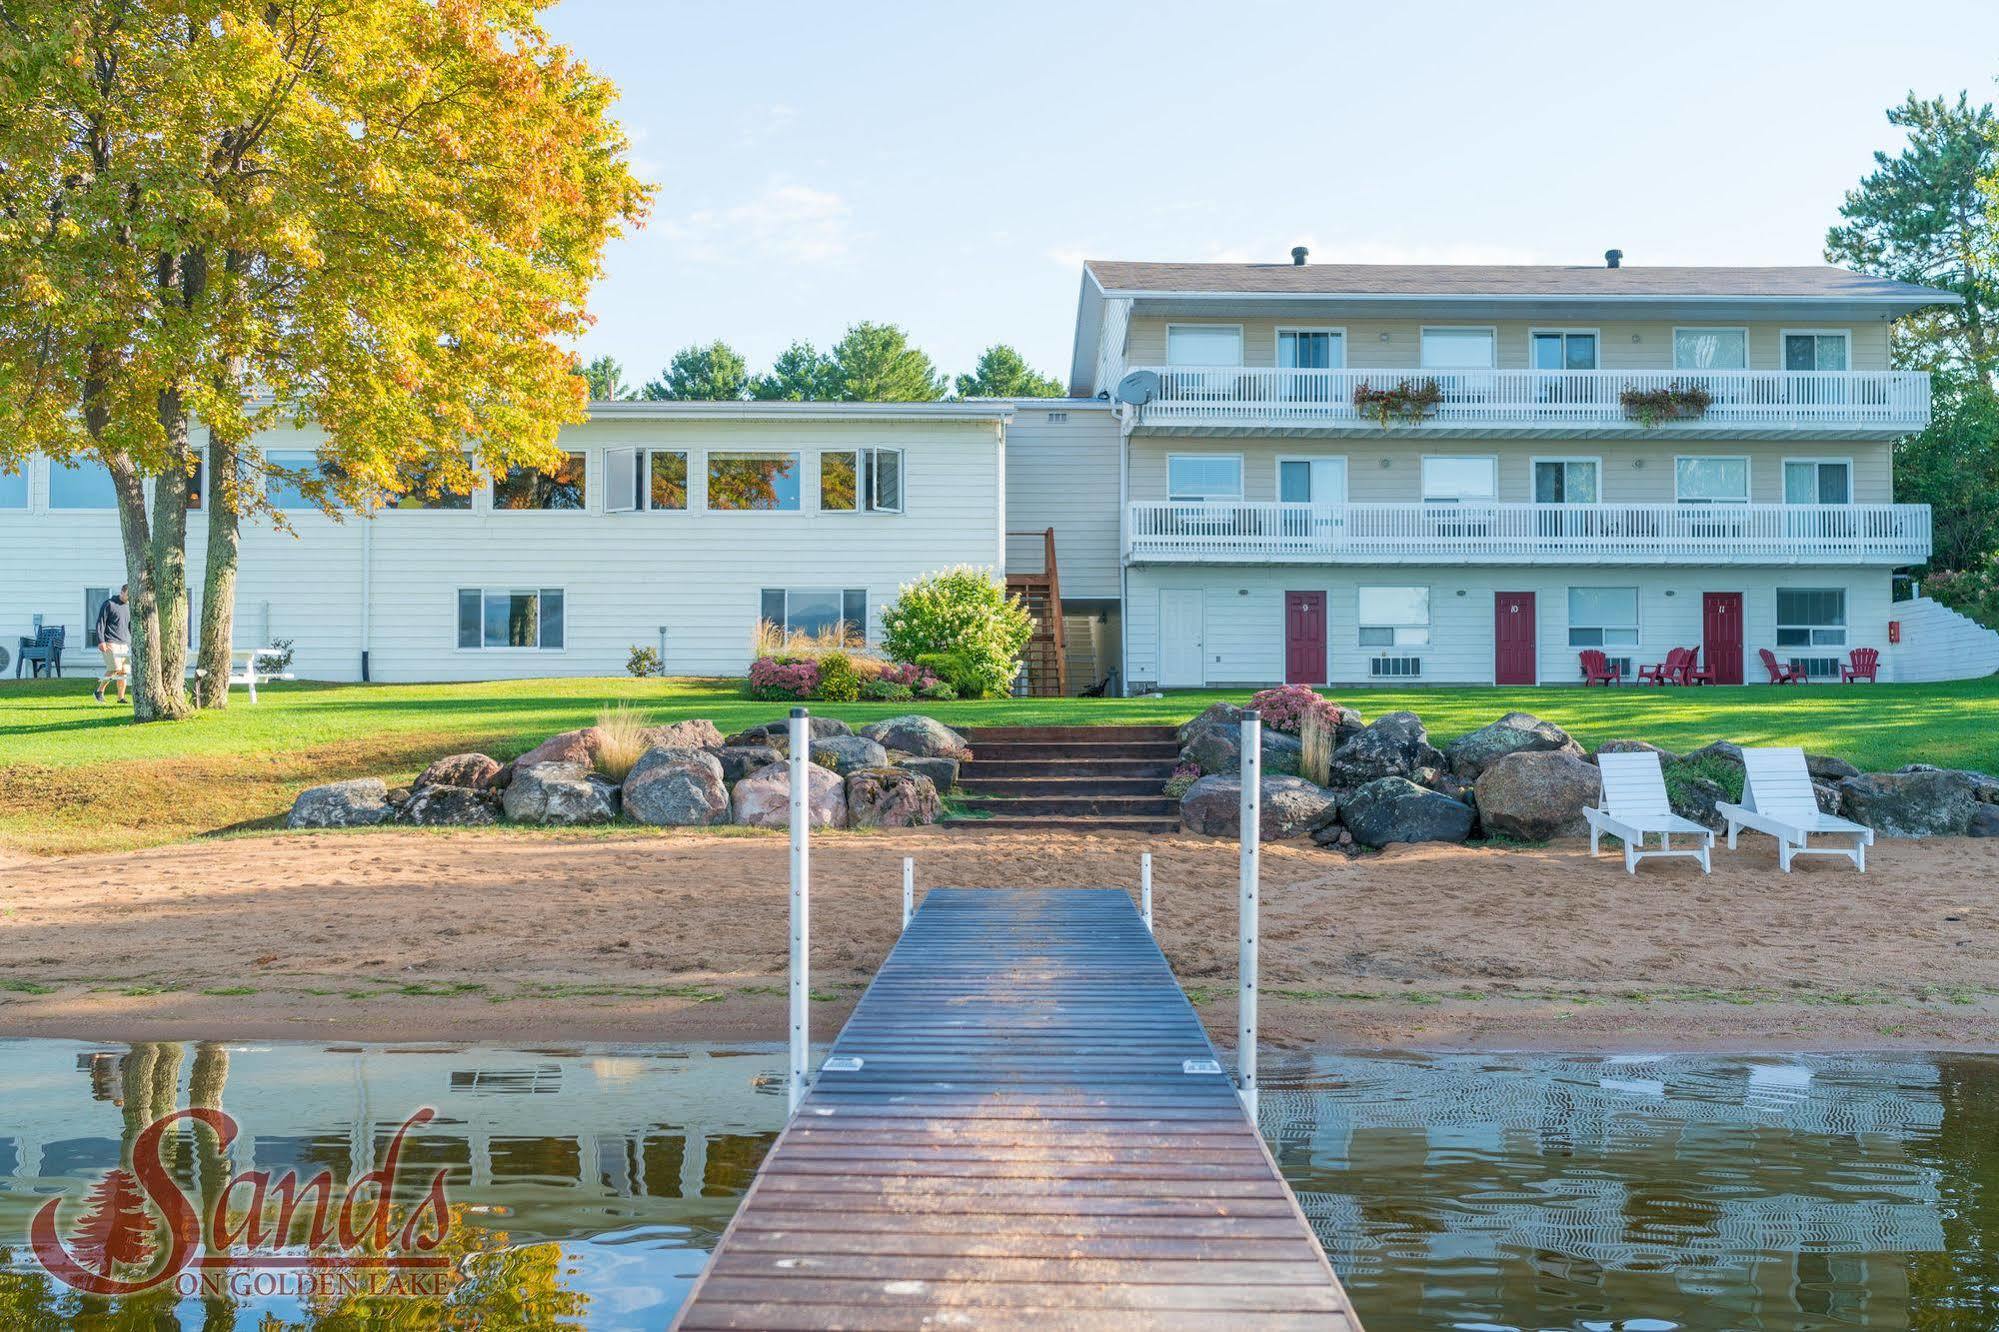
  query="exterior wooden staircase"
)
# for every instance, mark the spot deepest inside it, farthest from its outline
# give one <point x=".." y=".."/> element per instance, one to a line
<point x="1046" y="658"/>
<point x="1069" y="778"/>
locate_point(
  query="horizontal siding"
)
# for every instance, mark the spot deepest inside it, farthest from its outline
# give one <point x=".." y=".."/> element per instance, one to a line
<point x="624" y="575"/>
<point x="1634" y="472"/>
<point x="1244" y="615"/>
<point x="1396" y="343"/>
<point x="1064" y="475"/>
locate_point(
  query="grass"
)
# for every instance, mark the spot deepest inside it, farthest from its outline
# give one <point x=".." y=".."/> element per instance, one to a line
<point x="78" y="776"/>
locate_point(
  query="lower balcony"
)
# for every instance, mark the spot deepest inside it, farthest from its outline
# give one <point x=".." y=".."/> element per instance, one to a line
<point x="1219" y="532"/>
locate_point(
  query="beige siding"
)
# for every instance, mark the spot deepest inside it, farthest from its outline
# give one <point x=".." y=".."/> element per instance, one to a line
<point x="1631" y="471"/>
<point x="1064" y="474"/>
<point x="1396" y="344"/>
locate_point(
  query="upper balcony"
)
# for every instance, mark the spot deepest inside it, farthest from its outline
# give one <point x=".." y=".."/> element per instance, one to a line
<point x="1737" y="404"/>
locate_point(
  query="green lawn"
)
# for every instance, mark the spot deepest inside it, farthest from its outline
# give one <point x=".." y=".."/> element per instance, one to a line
<point x="77" y="775"/>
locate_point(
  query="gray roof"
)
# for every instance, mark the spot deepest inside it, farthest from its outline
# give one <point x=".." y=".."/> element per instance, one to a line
<point x="1588" y="281"/>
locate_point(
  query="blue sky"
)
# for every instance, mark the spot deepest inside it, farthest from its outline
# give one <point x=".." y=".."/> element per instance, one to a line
<point x="947" y="167"/>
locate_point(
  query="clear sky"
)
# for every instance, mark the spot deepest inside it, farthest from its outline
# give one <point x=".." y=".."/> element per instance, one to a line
<point x="947" y="167"/>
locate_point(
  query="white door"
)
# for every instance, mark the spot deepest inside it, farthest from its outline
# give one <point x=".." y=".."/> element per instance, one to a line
<point x="1183" y="640"/>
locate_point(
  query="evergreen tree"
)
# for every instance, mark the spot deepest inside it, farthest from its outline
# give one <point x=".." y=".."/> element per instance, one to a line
<point x="714" y="373"/>
<point x="800" y="374"/>
<point x="605" y="378"/>
<point x="875" y="363"/>
<point x="1003" y="372"/>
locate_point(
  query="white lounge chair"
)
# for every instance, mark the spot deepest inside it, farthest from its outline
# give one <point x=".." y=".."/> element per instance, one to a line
<point x="1635" y="805"/>
<point x="1777" y="798"/>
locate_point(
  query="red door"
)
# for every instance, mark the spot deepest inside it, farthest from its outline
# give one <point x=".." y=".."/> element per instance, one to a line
<point x="1721" y="632"/>
<point x="1305" y="638"/>
<point x="1513" y="655"/>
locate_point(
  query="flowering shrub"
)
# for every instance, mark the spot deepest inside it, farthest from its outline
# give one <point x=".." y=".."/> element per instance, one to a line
<point x="1184" y="776"/>
<point x="1285" y="707"/>
<point x="908" y="673"/>
<point x="965" y="618"/>
<point x="783" y="681"/>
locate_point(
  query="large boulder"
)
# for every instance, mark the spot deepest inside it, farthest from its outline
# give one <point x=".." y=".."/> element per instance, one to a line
<point x="1826" y="768"/>
<point x="1395" y="745"/>
<point x="778" y="733"/>
<point x="848" y="753"/>
<point x="1666" y="756"/>
<point x="677" y="787"/>
<point x="1721" y="751"/>
<point x="1219" y="750"/>
<point x="1984" y="786"/>
<point x="922" y="736"/>
<point x="1984" y="822"/>
<point x="739" y="761"/>
<point x="1291" y="807"/>
<point x="1214" y="717"/>
<point x="359" y="803"/>
<point x="763" y="799"/>
<point x="1395" y="809"/>
<point x="1516" y="732"/>
<point x="1534" y="796"/>
<point x="1933" y="803"/>
<point x="578" y="748"/>
<point x="1693" y="796"/>
<point x="694" y="733"/>
<point x="441" y="806"/>
<point x="474" y="772"/>
<point x="559" y="794"/>
<point x="942" y="772"/>
<point x="891" y="798"/>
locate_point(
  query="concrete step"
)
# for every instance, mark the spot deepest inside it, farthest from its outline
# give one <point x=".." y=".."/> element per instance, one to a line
<point x="1158" y="806"/>
<point x="1039" y="785"/>
<point x="1063" y="823"/>
<point x="984" y="769"/>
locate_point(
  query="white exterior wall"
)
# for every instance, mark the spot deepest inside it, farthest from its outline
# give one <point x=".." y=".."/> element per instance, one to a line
<point x="1063" y="473"/>
<point x="1244" y="616"/>
<point x="1940" y="644"/>
<point x="623" y="575"/>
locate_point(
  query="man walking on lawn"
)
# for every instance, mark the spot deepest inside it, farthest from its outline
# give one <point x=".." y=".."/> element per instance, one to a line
<point x="114" y="640"/>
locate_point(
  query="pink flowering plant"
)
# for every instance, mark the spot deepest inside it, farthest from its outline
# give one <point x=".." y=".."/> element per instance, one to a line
<point x="781" y="681"/>
<point x="1285" y="707"/>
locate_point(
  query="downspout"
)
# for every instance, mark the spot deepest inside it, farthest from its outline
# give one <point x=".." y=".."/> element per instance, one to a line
<point x="367" y="587"/>
<point x="1125" y="413"/>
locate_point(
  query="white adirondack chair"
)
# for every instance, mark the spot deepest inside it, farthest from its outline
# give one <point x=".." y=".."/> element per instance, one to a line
<point x="1635" y="806"/>
<point x="1777" y="798"/>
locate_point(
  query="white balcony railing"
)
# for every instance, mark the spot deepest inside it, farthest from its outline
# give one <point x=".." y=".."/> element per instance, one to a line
<point x="1739" y="400"/>
<point x="1265" y="533"/>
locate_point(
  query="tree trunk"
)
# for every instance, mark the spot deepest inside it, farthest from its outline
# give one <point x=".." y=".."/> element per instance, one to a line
<point x="169" y="559"/>
<point x="218" y="590"/>
<point x="145" y="615"/>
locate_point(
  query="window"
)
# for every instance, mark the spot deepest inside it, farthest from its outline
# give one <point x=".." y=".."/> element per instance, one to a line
<point x="1311" y="349"/>
<point x="1815" y="351"/>
<point x="510" y="618"/>
<point x="424" y="487"/>
<point x="1203" y="344"/>
<point x="883" y="469"/>
<point x="14" y="488"/>
<point x="197" y="480"/>
<point x="285" y="473"/>
<point x="1312" y="480"/>
<point x="753" y="481"/>
<point x="1458" y="349"/>
<point x="839" y="481"/>
<point x="815" y="612"/>
<point x="1710" y="349"/>
<point x="83" y="484"/>
<point x="1452" y="480"/>
<point x="1811" y="617"/>
<point x="1565" y="481"/>
<point x="1711" y="480"/>
<point x="1818" y="481"/>
<point x="1204" y="476"/>
<point x="1564" y="350"/>
<point x="1603" y="617"/>
<point x="644" y="479"/>
<point x="1394" y="616"/>
<point x="526" y="488"/>
<point x="666" y="479"/>
<point x="93" y="602"/>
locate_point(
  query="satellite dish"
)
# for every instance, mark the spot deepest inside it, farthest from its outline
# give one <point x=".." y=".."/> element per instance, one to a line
<point x="1138" y="388"/>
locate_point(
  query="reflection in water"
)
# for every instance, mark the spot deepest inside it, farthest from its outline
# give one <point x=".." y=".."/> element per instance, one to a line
<point x="1600" y="1194"/>
<point x="1639" y="1192"/>
<point x="586" y="1187"/>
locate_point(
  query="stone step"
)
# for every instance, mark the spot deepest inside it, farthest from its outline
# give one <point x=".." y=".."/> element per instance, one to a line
<point x="1064" y="823"/>
<point x="982" y="769"/>
<point x="1039" y="784"/>
<point x="1095" y="806"/>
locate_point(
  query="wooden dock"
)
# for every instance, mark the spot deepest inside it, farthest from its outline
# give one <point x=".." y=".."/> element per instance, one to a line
<point x="1037" y="1134"/>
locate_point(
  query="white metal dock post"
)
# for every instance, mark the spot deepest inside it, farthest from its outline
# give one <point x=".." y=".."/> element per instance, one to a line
<point x="908" y="889"/>
<point x="1250" y="871"/>
<point x="1145" y="888"/>
<point x="801" y="905"/>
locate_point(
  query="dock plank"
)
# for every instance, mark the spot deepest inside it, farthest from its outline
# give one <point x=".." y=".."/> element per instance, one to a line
<point x="1020" y="1145"/>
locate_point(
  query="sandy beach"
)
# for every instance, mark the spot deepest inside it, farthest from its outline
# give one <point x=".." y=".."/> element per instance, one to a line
<point x="545" y="939"/>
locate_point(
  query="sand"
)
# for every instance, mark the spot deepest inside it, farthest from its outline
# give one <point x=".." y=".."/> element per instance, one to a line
<point x="554" y="938"/>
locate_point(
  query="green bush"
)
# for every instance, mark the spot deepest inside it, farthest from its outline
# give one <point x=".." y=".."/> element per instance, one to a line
<point x="644" y="662"/>
<point x="938" y="691"/>
<point x="961" y="624"/>
<point x="1969" y="592"/>
<point x="886" y="691"/>
<point x="839" y="681"/>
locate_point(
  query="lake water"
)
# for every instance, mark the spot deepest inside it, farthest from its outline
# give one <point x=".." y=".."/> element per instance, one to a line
<point x="1487" y="1193"/>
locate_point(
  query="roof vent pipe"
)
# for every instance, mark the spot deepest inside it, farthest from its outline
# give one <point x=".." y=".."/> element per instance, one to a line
<point x="1298" y="253"/>
<point x="1613" y="258"/>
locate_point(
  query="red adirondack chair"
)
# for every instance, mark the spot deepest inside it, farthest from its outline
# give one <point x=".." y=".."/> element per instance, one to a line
<point x="1692" y="672"/>
<point x="1665" y="672"/>
<point x="1597" y="669"/>
<point x="1862" y="664"/>
<point x="1779" y="673"/>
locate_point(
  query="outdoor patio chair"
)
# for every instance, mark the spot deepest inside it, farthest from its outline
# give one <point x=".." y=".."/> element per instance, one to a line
<point x="1777" y="798"/>
<point x="1861" y="664"/>
<point x="1692" y="672"/>
<point x="1667" y="671"/>
<point x="1634" y="806"/>
<point x="1597" y="668"/>
<point x="43" y="652"/>
<point x="1779" y="672"/>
